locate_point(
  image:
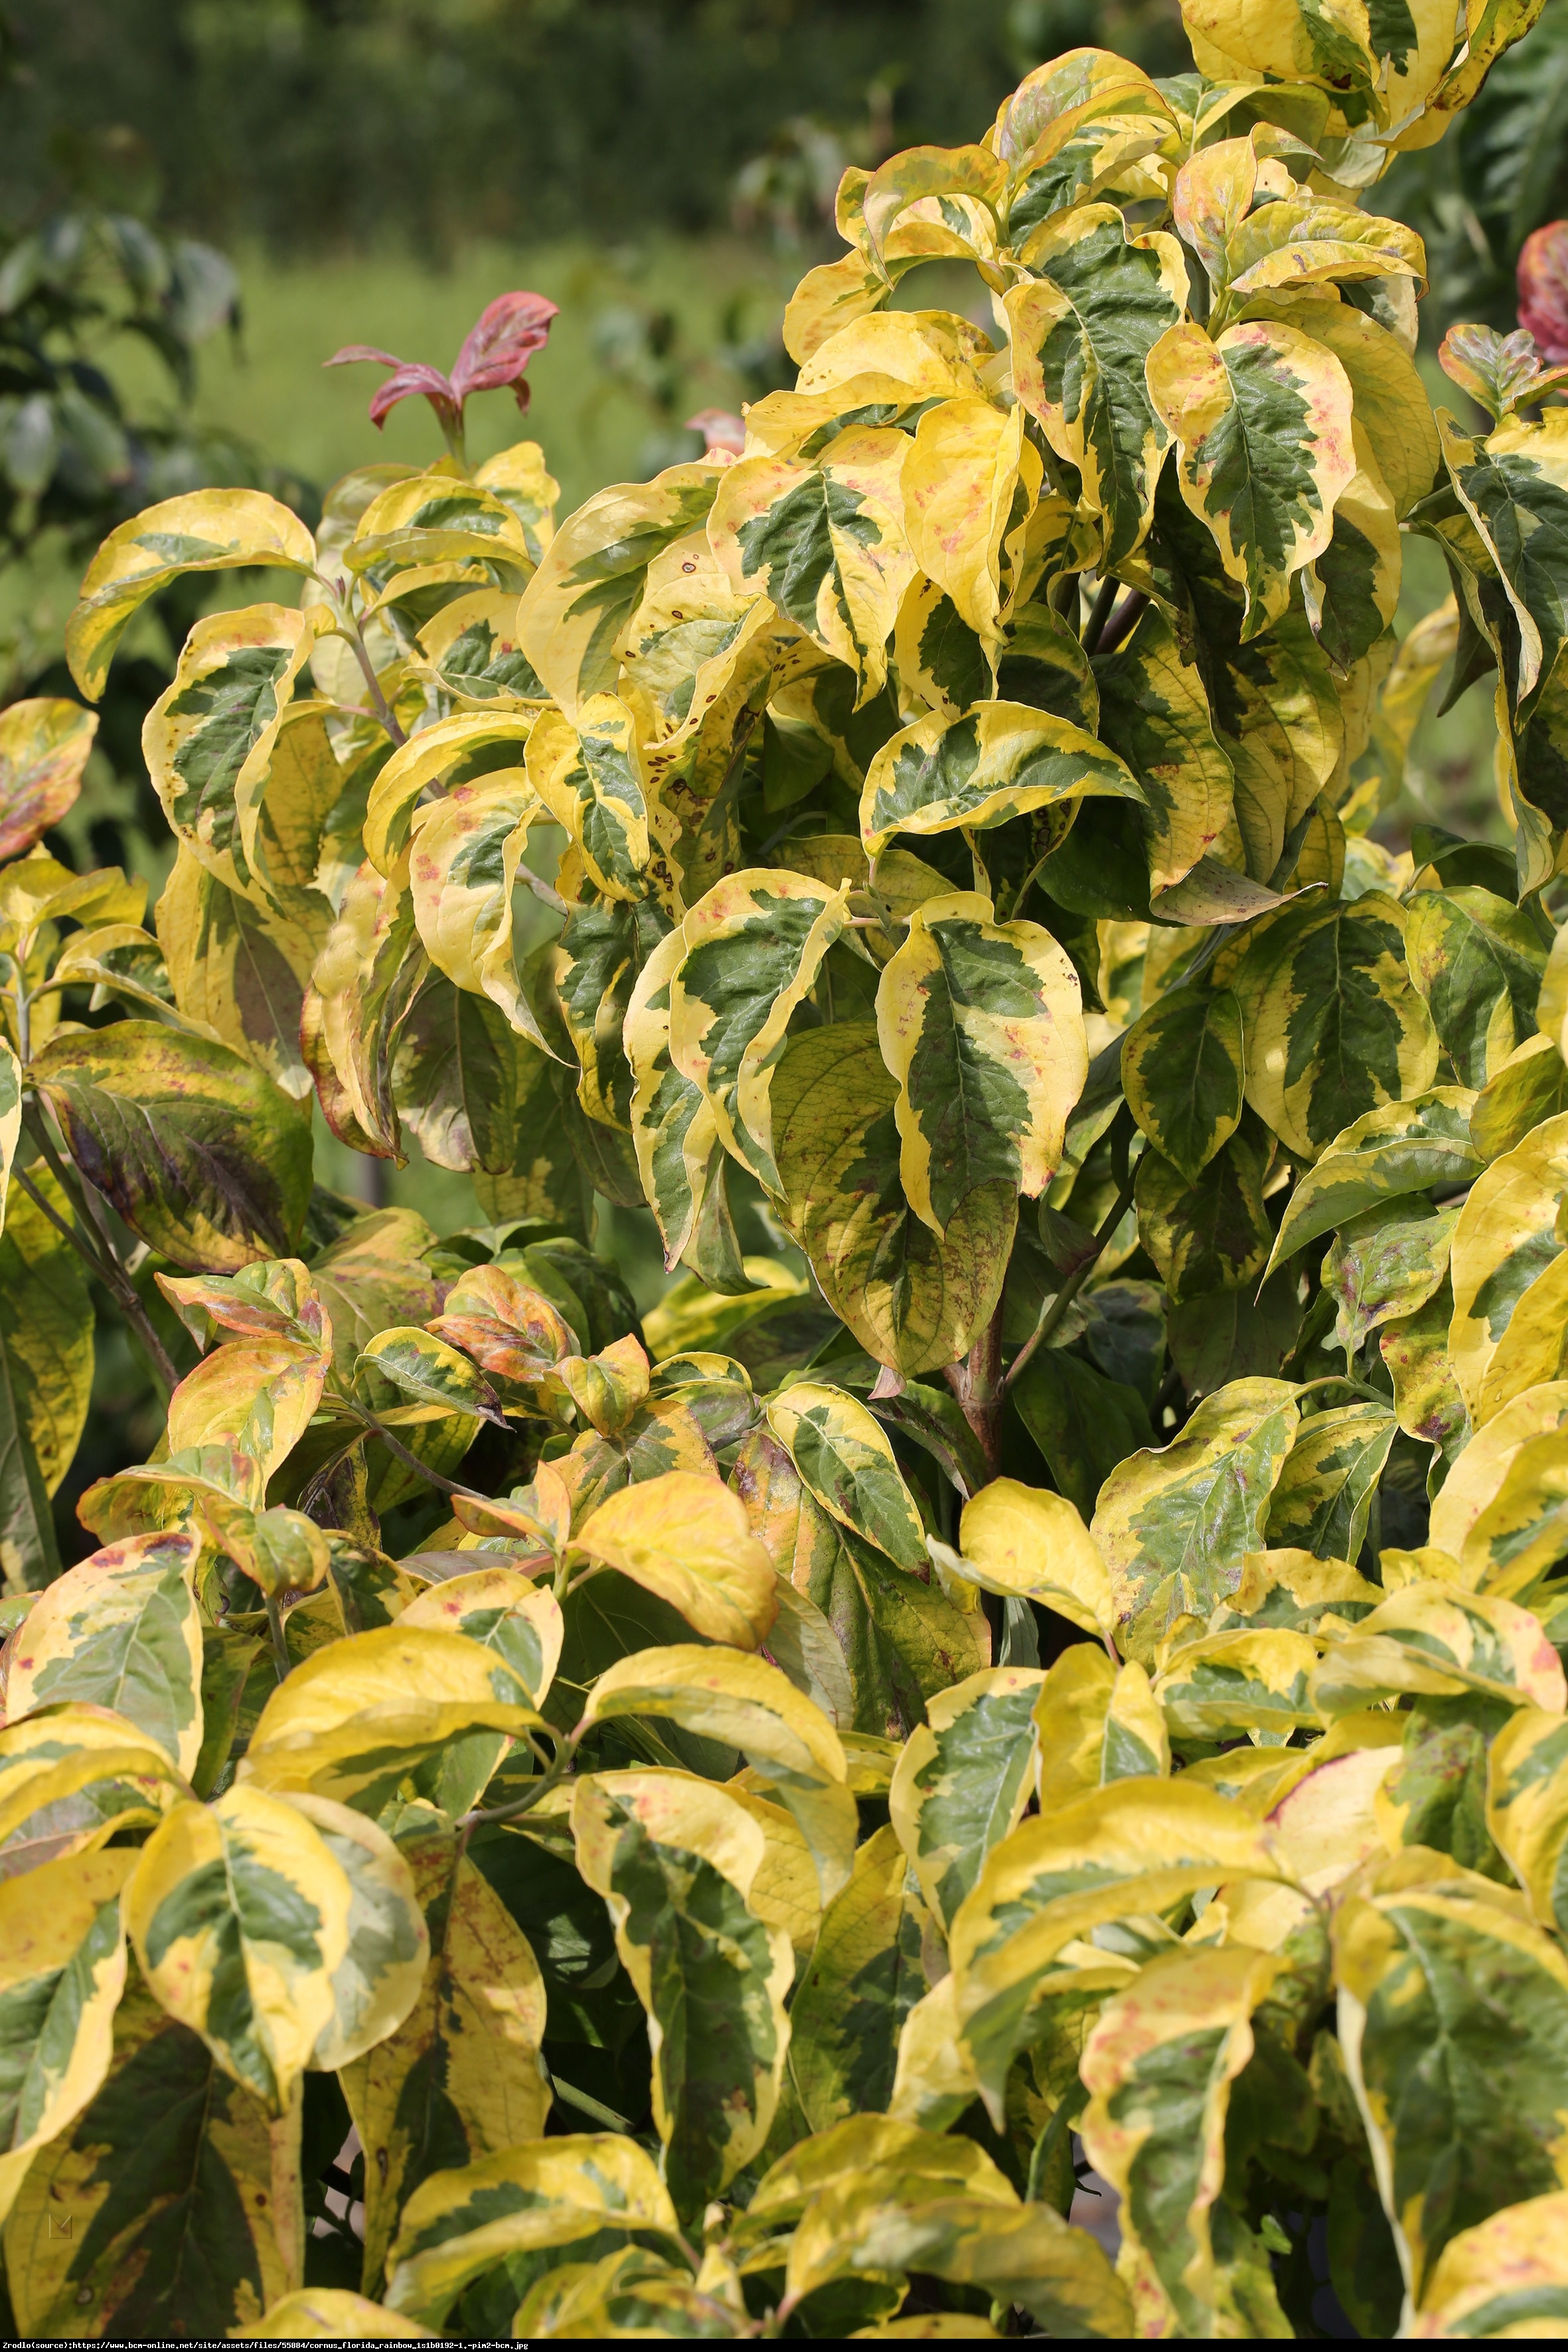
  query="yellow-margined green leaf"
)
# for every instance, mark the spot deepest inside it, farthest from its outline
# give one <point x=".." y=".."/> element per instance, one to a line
<point x="901" y="1639"/>
<point x="1083" y="325"/>
<point x="865" y="1973"/>
<point x="1263" y="418"/>
<point x="845" y="1458"/>
<point x="1174" y="1524"/>
<point x="753" y="948"/>
<point x="468" y="747"/>
<point x="44" y="744"/>
<point x="1334" y="1028"/>
<point x="1509" y="1269"/>
<point x="207" y="531"/>
<point x="1182" y="1074"/>
<point x="1402" y="1147"/>
<point x="1478" y="962"/>
<point x="1160" y="2063"/>
<point x="1519" y="1534"/>
<point x="1459" y="2114"/>
<point x="204" y="1158"/>
<point x="925" y="2163"/>
<point x="825" y="543"/>
<point x="598" y="960"/>
<point x="60" y="1982"/>
<point x="239" y="1915"/>
<point x="964" y="1780"/>
<point x="67" y="1749"/>
<point x="1155" y="715"/>
<point x="1530" y="1086"/>
<point x="1427" y="1403"/>
<point x="379" y="1978"/>
<point x="1527" y="1807"/>
<point x="1352" y="592"/>
<point x="120" y="1631"/>
<point x="1025" y="2253"/>
<point x="432" y="1372"/>
<point x="1437" y="1638"/>
<point x="1510" y="487"/>
<point x="685" y="1536"/>
<point x="1028" y="1544"/>
<point x="357" y="1718"/>
<point x="460" y="2078"/>
<point x="208" y="739"/>
<point x="965" y="480"/>
<point x="327" y="2311"/>
<point x="502" y="1610"/>
<point x="238" y="969"/>
<point x="591" y="579"/>
<point x="169" y="2148"/>
<point x="673" y="1124"/>
<point x="1386" y="1264"/>
<point x="1513" y="2267"/>
<point x="1096" y="1722"/>
<point x="437" y="517"/>
<point x="1227" y="1683"/>
<point x="1325" y="1491"/>
<point x="282" y="1552"/>
<point x="745" y="1703"/>
<point x="630" y="2293"/>
<point x="1127" y="1850"/>
<point x="361" y="988"/>
<point x="1002" y="759"/>
<point x="981" y="1024"/>
<point x="590" y="777"/>
<point x="675" y="1859"/>
<point x="1477" y="1476"/>
<point x="1304" y="240"/>
<point x="914" y="1300"/>
<point x="533" y="2197"/>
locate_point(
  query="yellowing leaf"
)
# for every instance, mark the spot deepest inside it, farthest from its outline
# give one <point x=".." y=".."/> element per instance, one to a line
<point x="963" y="479"/>
<point x="44" y="745"/>
<point x="1507" y="1331"/>
<point x="60" y="1981"/>
<point x="844" y="1457"/>
<point x="685" y="1537"/>
<point x="1029" y="1544"/>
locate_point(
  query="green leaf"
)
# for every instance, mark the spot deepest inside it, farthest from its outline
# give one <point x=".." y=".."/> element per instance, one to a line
<point x="1326" y="1488"/>
<point x="1213" y="1234"/>
<point x="120" y="1631"/>
<point x="676" y="1859"/>
<point x="1386" y="1264"/>
<point x="167" y="2175"/>
<point x="964" y="1780"/>
<point x="1333" y="1027"/>
<point x="1454" y="2021"/>
<point x="845" y="1460"/>
<point x="980" y="1023"/>
<point x="1404" y="1147"/>
<point x="914" y="1300"/>
<point x="1004" y="759"/>
<point x="1514" y="488"/>
<point x="63" y="1975"/>
<point x="432" y="1372"/>
<point x="1174" y="1524"/>
<point x="204" y="1158"/>
<point x="1477" y="961"/>
<point x="753" y="948"/>
<point x="1263" y="418"/>
<point x="1159" y="2065"/>
<point x="206" y="531"/>
<point x="459" y="2078"/>
<point x="1083" y="325"/>
<point x="865" y="1973"/>
<point x="1154" y="714"/>
<point x="1083" y="1423"/>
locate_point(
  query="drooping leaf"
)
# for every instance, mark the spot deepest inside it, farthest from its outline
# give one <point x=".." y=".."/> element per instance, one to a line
<point x="120" y="1631"/>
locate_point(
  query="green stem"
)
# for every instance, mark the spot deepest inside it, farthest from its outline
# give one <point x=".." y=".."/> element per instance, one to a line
<point x="532" y="1796"/>
<point x="378" y="1428"/>
<point x="279" y="1645"/>
<point x="103" y="1259"/>
<point x="1057" y="1306"/>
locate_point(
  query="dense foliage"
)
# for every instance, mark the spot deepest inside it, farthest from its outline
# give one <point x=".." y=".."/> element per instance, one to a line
<point x="1055" y="1661"/>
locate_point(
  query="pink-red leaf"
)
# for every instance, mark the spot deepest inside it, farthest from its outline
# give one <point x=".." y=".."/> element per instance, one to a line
<point x="501" y="342"/>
